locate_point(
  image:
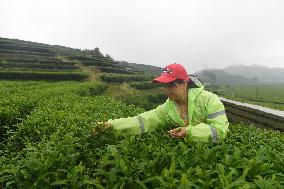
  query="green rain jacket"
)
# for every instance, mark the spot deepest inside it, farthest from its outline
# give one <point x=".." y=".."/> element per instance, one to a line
<point x="206" y="113"/>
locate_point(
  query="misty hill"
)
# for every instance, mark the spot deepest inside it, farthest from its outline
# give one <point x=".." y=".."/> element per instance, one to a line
<point x="220" y="77"/>
<point x="242" y="74"/>
<point x="263" y="74"/>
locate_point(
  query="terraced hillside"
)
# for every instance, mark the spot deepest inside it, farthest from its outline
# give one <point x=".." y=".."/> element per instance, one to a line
<point x="24" y="60"/>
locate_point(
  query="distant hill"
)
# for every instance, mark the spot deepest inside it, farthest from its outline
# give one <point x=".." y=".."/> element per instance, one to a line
<point x="26" y="60"/>
<point x="242" y="74"/>
<point x="220" y="77"/>
<point x="262" y="73"/>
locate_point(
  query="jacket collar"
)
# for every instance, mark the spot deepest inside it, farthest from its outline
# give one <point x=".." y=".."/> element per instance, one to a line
<point x="194" y="92"/>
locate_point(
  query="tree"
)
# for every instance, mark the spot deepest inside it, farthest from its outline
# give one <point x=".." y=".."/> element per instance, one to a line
<point x="93" y="52"/>
<point x="109" y="58"/>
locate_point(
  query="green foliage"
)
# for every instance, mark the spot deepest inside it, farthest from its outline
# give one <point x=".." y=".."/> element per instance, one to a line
<point x="98" y="63"/>
<point x="116" y="70"/>
<point x="18" y="99"/>
<point x="144" y="85"/>
<point x="23" y="47"/>
<point x="7" y="53"/>
<point x="37" y="75"/>
<point x="52" y="147"/>
<point x="121" y="78"/>
<point x="31" y="66"/>
<point x="43" y="61"/>
<point x="93" y="52"/>
<point x="147" y="102"/>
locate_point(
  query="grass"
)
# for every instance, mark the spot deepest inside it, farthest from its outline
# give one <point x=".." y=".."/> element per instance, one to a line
<point x="271" y="96"/>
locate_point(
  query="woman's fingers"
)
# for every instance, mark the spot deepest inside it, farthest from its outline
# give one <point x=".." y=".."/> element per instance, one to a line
<point x="178" y="132"/>
<point x="100" y="126"/>
<point x="174" y="130"/>
<point x="107" y="125"/>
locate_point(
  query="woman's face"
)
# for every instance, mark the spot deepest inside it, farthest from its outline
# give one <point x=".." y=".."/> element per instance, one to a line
<point x="175" y="91"/>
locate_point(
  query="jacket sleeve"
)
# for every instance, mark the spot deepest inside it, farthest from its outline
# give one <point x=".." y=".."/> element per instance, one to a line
<point x="144" y="122"/>
<point x="216" y="125"/>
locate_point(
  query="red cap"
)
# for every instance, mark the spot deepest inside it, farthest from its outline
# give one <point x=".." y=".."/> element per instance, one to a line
<point x="171" y="73"/>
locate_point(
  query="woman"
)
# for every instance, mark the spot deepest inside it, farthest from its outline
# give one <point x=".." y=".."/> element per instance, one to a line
<point x="197" y="114"/>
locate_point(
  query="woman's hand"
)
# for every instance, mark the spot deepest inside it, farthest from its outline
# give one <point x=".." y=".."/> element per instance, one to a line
<point x="100" y="127"/>
<point x="179" y="132"/>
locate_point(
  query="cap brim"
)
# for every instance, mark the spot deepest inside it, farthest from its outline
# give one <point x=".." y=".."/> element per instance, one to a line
<point x="163" y="79"/>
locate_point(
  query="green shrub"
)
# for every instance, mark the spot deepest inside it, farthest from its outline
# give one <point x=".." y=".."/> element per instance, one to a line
<point x="50" y="76"/>
<point x="53" y="148"/>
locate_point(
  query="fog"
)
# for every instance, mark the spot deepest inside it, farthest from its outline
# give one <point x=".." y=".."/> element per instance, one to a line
<point x="197" y="34"/>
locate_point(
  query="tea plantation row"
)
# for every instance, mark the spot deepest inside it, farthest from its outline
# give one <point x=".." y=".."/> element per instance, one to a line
<point x="46" y="143"/>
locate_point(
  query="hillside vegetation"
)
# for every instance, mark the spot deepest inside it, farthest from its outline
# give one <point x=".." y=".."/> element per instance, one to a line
<point x="24" y="60"/>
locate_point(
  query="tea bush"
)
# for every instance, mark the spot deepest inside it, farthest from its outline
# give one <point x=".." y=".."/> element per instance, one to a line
<point x="52" y="147"/>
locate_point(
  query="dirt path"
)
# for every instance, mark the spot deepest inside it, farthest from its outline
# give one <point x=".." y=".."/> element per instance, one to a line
<point x="94" y="74"/>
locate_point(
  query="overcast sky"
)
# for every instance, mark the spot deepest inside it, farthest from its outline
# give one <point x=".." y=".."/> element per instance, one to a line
<point x="195" y="33"/>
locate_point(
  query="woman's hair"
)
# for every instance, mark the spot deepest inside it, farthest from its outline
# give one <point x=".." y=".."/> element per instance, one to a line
<point x="190" y="83"/>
